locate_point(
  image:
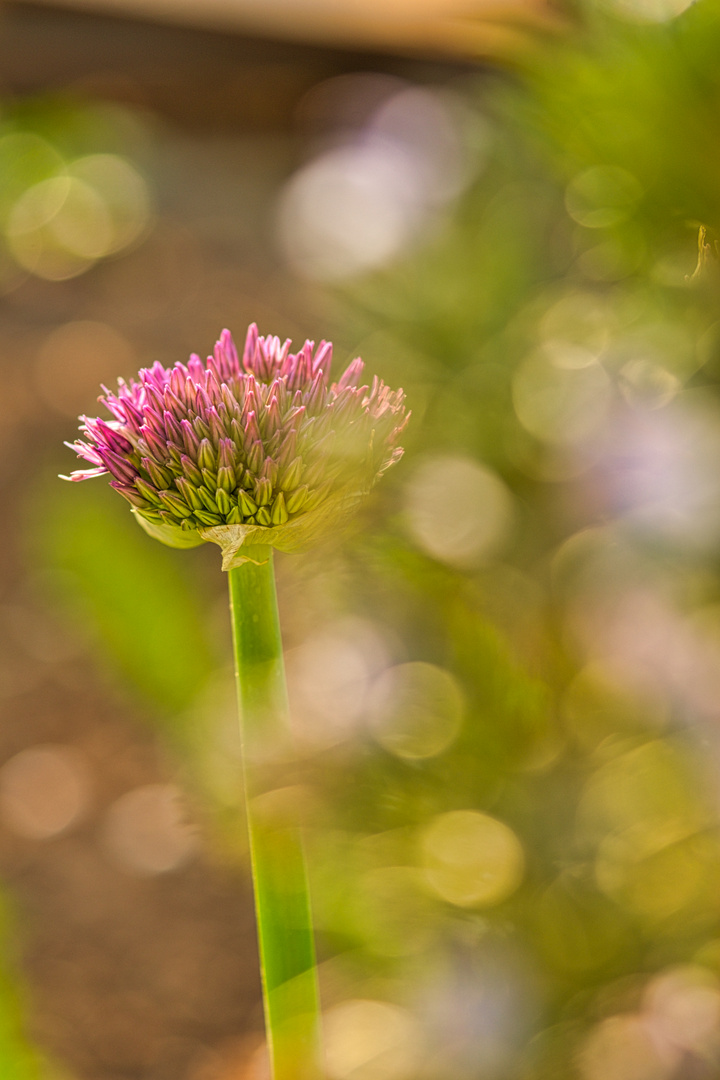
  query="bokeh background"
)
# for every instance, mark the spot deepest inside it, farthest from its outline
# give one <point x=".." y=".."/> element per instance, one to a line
<point x="505" y="681"/>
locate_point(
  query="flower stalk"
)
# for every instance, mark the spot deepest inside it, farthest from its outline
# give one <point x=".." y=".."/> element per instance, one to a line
<point x="282" y="903"/>
<point x="251" y="452"/>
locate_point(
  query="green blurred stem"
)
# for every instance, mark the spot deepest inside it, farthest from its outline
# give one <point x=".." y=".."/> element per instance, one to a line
<point x="282" y="903"/>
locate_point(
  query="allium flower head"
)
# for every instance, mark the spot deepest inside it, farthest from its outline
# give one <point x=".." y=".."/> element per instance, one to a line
<point x="258" y="450"/>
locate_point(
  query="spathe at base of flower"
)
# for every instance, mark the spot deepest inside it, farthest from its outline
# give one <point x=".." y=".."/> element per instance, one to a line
<point x="258" y="450"/>
<point x="296" y="536"/>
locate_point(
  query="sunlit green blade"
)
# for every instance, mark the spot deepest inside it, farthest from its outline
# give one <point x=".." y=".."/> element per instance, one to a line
<point x="146" y="612"/>
<point x="287" y="953"/>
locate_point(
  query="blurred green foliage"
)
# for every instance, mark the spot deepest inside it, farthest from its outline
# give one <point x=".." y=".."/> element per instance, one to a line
<point x="68" y="194"/>
<point x="553" y="337"/>
<point x="137" y="599"/>
<point x="582" y="641"/>
<point x="18" y="1058"/>
<point x="641" y="98"/>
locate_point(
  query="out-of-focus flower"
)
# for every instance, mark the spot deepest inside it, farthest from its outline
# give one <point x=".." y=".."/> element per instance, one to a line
<point x="380" y="183"/>
<point x="259" y="450"/>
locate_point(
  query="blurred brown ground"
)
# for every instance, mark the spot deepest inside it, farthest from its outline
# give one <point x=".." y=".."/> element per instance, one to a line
<point x="137" y="976"/>
<point x="438" y="28"/>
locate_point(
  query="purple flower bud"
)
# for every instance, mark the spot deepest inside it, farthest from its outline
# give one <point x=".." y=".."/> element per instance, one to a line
<point x="351" y="375"/>
<point x="246" y="504"/>
<point x="153" y="420"/>
<point x="252" y="431"/>
<point x="189" y="493"/>
<point x="117" y="466"/>
<point x="159" y="476"/>
<point x="190" y="470"/>
<point x="87" y="474"/>
<point x="178" y="381"/>
<point x="226" y="454"/>
<point x="296" y="500"/>
<point x="206" y="456"/>
<point x="224" y="502"/>
<point x="154" y="445"/>
<point x="290" y="477"/>
<point x="147" y="491"/>
<point x="172" y="428"/>
<point x="270" y="472"/>
<point x="207" y="499"/>
<point x="190" y="441"/>
<point x="131" y="494"/>
<point x="175" y="504"/>
<point x="217" y="431"/>
<point x="226" y="479"/>
<point x="263" y="492"/>
<point x="278" y="513"/>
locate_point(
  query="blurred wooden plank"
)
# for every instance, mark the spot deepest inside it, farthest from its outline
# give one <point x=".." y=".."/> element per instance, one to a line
<point x="199" y="78"/>
<point x="451" y="28"/>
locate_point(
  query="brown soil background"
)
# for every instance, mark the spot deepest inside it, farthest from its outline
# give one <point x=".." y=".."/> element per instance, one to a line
<point x="130" y="976"/>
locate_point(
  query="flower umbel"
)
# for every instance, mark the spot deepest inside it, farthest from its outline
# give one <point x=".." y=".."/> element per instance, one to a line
<point x="258" y="450"/>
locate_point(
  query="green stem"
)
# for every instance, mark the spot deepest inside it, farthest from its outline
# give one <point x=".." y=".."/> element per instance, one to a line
<point x="282" y="903"/>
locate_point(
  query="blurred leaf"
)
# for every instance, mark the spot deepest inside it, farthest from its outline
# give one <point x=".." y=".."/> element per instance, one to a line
<point x="144" y="602"/>
<point x="18" y="1059"/>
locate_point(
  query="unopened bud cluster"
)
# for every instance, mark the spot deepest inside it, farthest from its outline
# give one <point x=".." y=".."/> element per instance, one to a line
<point x="256" y="441"/>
